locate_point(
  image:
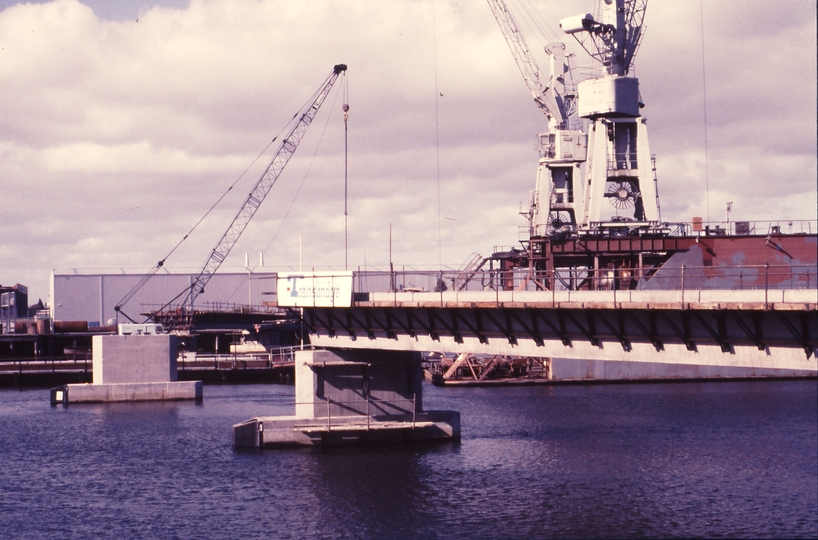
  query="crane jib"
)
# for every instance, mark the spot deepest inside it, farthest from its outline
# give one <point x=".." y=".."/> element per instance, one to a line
<point x="543" y="93"/>
<point x="262" y="187"/>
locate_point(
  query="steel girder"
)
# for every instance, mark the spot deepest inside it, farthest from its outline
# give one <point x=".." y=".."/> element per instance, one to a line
<point x="538" y="325"/>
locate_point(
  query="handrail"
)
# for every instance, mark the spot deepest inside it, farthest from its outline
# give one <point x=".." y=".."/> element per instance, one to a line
<point x="685" y="277"/>
<point x="366" y="412"/>
<point x="49" y="363"/>
<point x="273" y="358"/>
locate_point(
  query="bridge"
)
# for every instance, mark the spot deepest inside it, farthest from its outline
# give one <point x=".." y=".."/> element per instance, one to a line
<point x="771" y="330"/>
<point x="373" y="326"/>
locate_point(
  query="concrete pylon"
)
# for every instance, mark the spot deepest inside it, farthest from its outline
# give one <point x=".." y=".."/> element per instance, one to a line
<point x="131" y="368"/>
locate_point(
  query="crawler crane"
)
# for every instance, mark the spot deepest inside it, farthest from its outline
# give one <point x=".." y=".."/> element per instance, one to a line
<point x="180" y="318"/>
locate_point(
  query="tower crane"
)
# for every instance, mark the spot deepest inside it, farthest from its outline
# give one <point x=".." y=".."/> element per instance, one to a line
<point x="614" y="41"/>
<point x="219" y="253"/>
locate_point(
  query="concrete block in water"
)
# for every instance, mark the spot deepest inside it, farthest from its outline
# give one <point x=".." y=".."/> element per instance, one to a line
<point x="123" y="392"/>
<point x="135" y="359"/>
<point x="131" y="368"/>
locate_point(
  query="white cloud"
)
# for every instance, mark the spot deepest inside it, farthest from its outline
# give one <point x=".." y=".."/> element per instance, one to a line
<point x="139" y="158"/>
<point x="116" y="135"/>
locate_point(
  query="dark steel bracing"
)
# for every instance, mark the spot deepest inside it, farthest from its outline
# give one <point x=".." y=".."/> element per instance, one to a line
<point x="584" y="262"/>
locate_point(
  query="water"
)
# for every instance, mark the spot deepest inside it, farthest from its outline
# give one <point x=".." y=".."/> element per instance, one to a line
<point x="736" y="459"/>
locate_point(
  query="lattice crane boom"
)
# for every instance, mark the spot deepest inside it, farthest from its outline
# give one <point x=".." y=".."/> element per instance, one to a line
<point x="546" y="99"/>
<point x="262" y="187"/>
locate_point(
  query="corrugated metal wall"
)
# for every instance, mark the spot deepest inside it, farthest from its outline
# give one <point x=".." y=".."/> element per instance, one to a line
<point x="92" y="297"/>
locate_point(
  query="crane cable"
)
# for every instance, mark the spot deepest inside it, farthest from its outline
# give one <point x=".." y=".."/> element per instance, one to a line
<point x="704" y="111"/>
<point x="145" y="278"/>
<point x="300" y="186"/>
<point x="437" y="144"/>
<point x="130" y="294"/>
<point x="304" y="178"/>
<point x="535" y="22"/>
<point x="345" y="106"/>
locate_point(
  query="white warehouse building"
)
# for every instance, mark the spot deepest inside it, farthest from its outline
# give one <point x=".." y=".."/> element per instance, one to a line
<point x="91" y="295"/>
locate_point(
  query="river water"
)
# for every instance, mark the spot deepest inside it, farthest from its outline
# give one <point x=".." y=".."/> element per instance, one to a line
<point x="709" y="459"/>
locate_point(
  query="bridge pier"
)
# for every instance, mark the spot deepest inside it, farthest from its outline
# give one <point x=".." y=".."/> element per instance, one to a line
<point x="131" y="368"/>
<point x="352" y="397"/>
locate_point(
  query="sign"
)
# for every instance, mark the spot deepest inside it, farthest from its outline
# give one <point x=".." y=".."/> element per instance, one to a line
<point x="314" y="289"/>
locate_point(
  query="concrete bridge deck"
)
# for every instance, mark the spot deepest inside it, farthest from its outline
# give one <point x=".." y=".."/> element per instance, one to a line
<point x="759" y="299"/>
<point x="727" y="333"/>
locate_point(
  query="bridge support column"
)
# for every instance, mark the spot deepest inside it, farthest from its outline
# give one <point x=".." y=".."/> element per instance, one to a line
<point x="353" y="397"/>
<point x="131" y="368"/>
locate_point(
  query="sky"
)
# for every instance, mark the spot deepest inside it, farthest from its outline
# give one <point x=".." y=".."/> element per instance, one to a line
<point x="122" y="123"/>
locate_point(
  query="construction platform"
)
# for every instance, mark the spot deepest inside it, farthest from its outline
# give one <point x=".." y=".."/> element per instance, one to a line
<point x="290" y="431"/>
<point x="352" y="397"/>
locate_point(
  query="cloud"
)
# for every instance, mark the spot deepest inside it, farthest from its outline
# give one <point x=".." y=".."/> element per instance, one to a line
<point x="116" y="136"/>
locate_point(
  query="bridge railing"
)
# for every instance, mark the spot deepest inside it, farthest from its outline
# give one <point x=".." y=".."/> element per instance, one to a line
<point x="665" y="278"/>
<point x="697" y="227"/>
<point x="362" y="412"/>
<point x="270" y="359"/>
<point x="757" y="227"/>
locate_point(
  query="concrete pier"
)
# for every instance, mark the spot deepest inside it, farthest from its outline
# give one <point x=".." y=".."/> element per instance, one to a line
<point x="131" y="368"/>
<point x="352" y="397"/>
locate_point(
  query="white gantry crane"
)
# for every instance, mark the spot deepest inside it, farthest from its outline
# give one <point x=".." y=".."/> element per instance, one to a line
<point x="619" y="162"/>
<point x="579" y="170"/>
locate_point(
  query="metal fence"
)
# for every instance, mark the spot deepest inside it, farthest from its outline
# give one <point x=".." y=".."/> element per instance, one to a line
<point x="747" y="277"/>
<point x="691" y="228"/>
<point x="359" y="414"/>
<point x="273" y="358"/>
